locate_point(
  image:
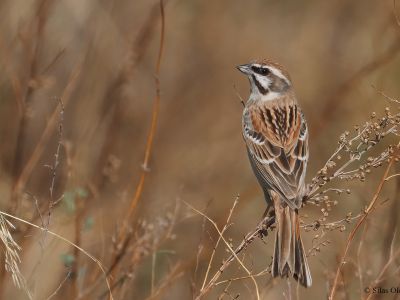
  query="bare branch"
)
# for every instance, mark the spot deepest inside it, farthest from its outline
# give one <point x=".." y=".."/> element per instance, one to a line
<point x="359" y="223"/>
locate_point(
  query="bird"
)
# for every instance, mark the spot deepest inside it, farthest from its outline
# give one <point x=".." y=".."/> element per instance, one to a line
<point x="276" y="136"/>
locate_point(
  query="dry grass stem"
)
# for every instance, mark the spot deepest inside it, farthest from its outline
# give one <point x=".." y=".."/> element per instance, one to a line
<point x="259" y="231"/>
<point x="91" y="91"/>
<point x="154" y="118"/>
<point x="218" y="240"/>
<point x="11" y="252"/>
<point x="99" y="264"/>
<point x="47" y="133"/>
<point x="359" y="223"/>
<point x="57" y="290"/>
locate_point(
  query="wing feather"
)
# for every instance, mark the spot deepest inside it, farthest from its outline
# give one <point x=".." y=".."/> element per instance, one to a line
<point x="278" y="149"/>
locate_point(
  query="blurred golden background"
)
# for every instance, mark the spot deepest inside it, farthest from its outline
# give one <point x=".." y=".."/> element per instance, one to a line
<point x="99" y="58"/>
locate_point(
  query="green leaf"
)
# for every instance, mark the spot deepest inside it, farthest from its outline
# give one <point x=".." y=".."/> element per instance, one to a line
<point x="82" y="192"/>
<point x="69" y="201"/>
<point x="88" y="224"/>
<point x="68" y="259"/>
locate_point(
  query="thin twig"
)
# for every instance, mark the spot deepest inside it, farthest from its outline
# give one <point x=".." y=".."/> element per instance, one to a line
<point x="359" y="267"/>
<point x="260" y="230"/>
<point x="47" y="133"/>
<point x="262" y="273"/>
<point x="149" y="142"/>
<point x="238" y="95"/>
<point x="59" y="286"/>
<point x="154" y="119"/>
<point x="37" y="208"/>
<point x="378" y="280"/>
<point x="199" y="250"/>
<point x="228" y="246"/>
<point x="153" y="272"/>
<point x="218" y="240"/>
<point x="392" y="176"/>
<point x="56" y="163"/>
<point x="100" y="265"/>
<point x="174" y="274"/>
<point x="357" y="226"/>
<point x="386" y="96"/>
<point x="55" y="59"/>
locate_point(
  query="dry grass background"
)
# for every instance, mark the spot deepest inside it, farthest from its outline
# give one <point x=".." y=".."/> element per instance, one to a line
<point x="99" y="58"/>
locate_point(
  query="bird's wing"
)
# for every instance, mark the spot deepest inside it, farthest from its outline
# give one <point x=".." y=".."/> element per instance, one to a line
<point x="277" y="141"/>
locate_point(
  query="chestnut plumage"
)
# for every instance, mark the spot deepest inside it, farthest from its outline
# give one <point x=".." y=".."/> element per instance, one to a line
<point x="276" y="137"/>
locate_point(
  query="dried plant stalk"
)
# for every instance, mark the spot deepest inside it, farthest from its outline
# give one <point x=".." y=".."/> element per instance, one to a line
<point x="11" y="253"/>
<point x="352" y="160"/>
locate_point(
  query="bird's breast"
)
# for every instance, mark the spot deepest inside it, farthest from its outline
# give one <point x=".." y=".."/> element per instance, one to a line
<point x="278" y="123"/>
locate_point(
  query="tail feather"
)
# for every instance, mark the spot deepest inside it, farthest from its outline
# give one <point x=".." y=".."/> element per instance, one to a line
<point x="289" y="256"/>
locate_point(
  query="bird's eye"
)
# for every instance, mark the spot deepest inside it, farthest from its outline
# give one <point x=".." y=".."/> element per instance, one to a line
<point x="261" y="70"/>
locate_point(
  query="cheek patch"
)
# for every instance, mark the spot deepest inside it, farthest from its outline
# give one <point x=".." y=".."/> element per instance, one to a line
<point x="260" y="84"/>
<point x="279" y="85"/>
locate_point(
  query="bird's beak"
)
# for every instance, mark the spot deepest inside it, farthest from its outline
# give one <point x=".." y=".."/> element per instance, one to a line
<point x="246" y="69"/>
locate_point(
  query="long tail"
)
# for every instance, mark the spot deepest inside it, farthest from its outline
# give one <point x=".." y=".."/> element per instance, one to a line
<point x="289" y="257"/>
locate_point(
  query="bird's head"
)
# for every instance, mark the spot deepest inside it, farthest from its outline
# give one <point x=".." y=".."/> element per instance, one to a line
<point x="268" y="80"/>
